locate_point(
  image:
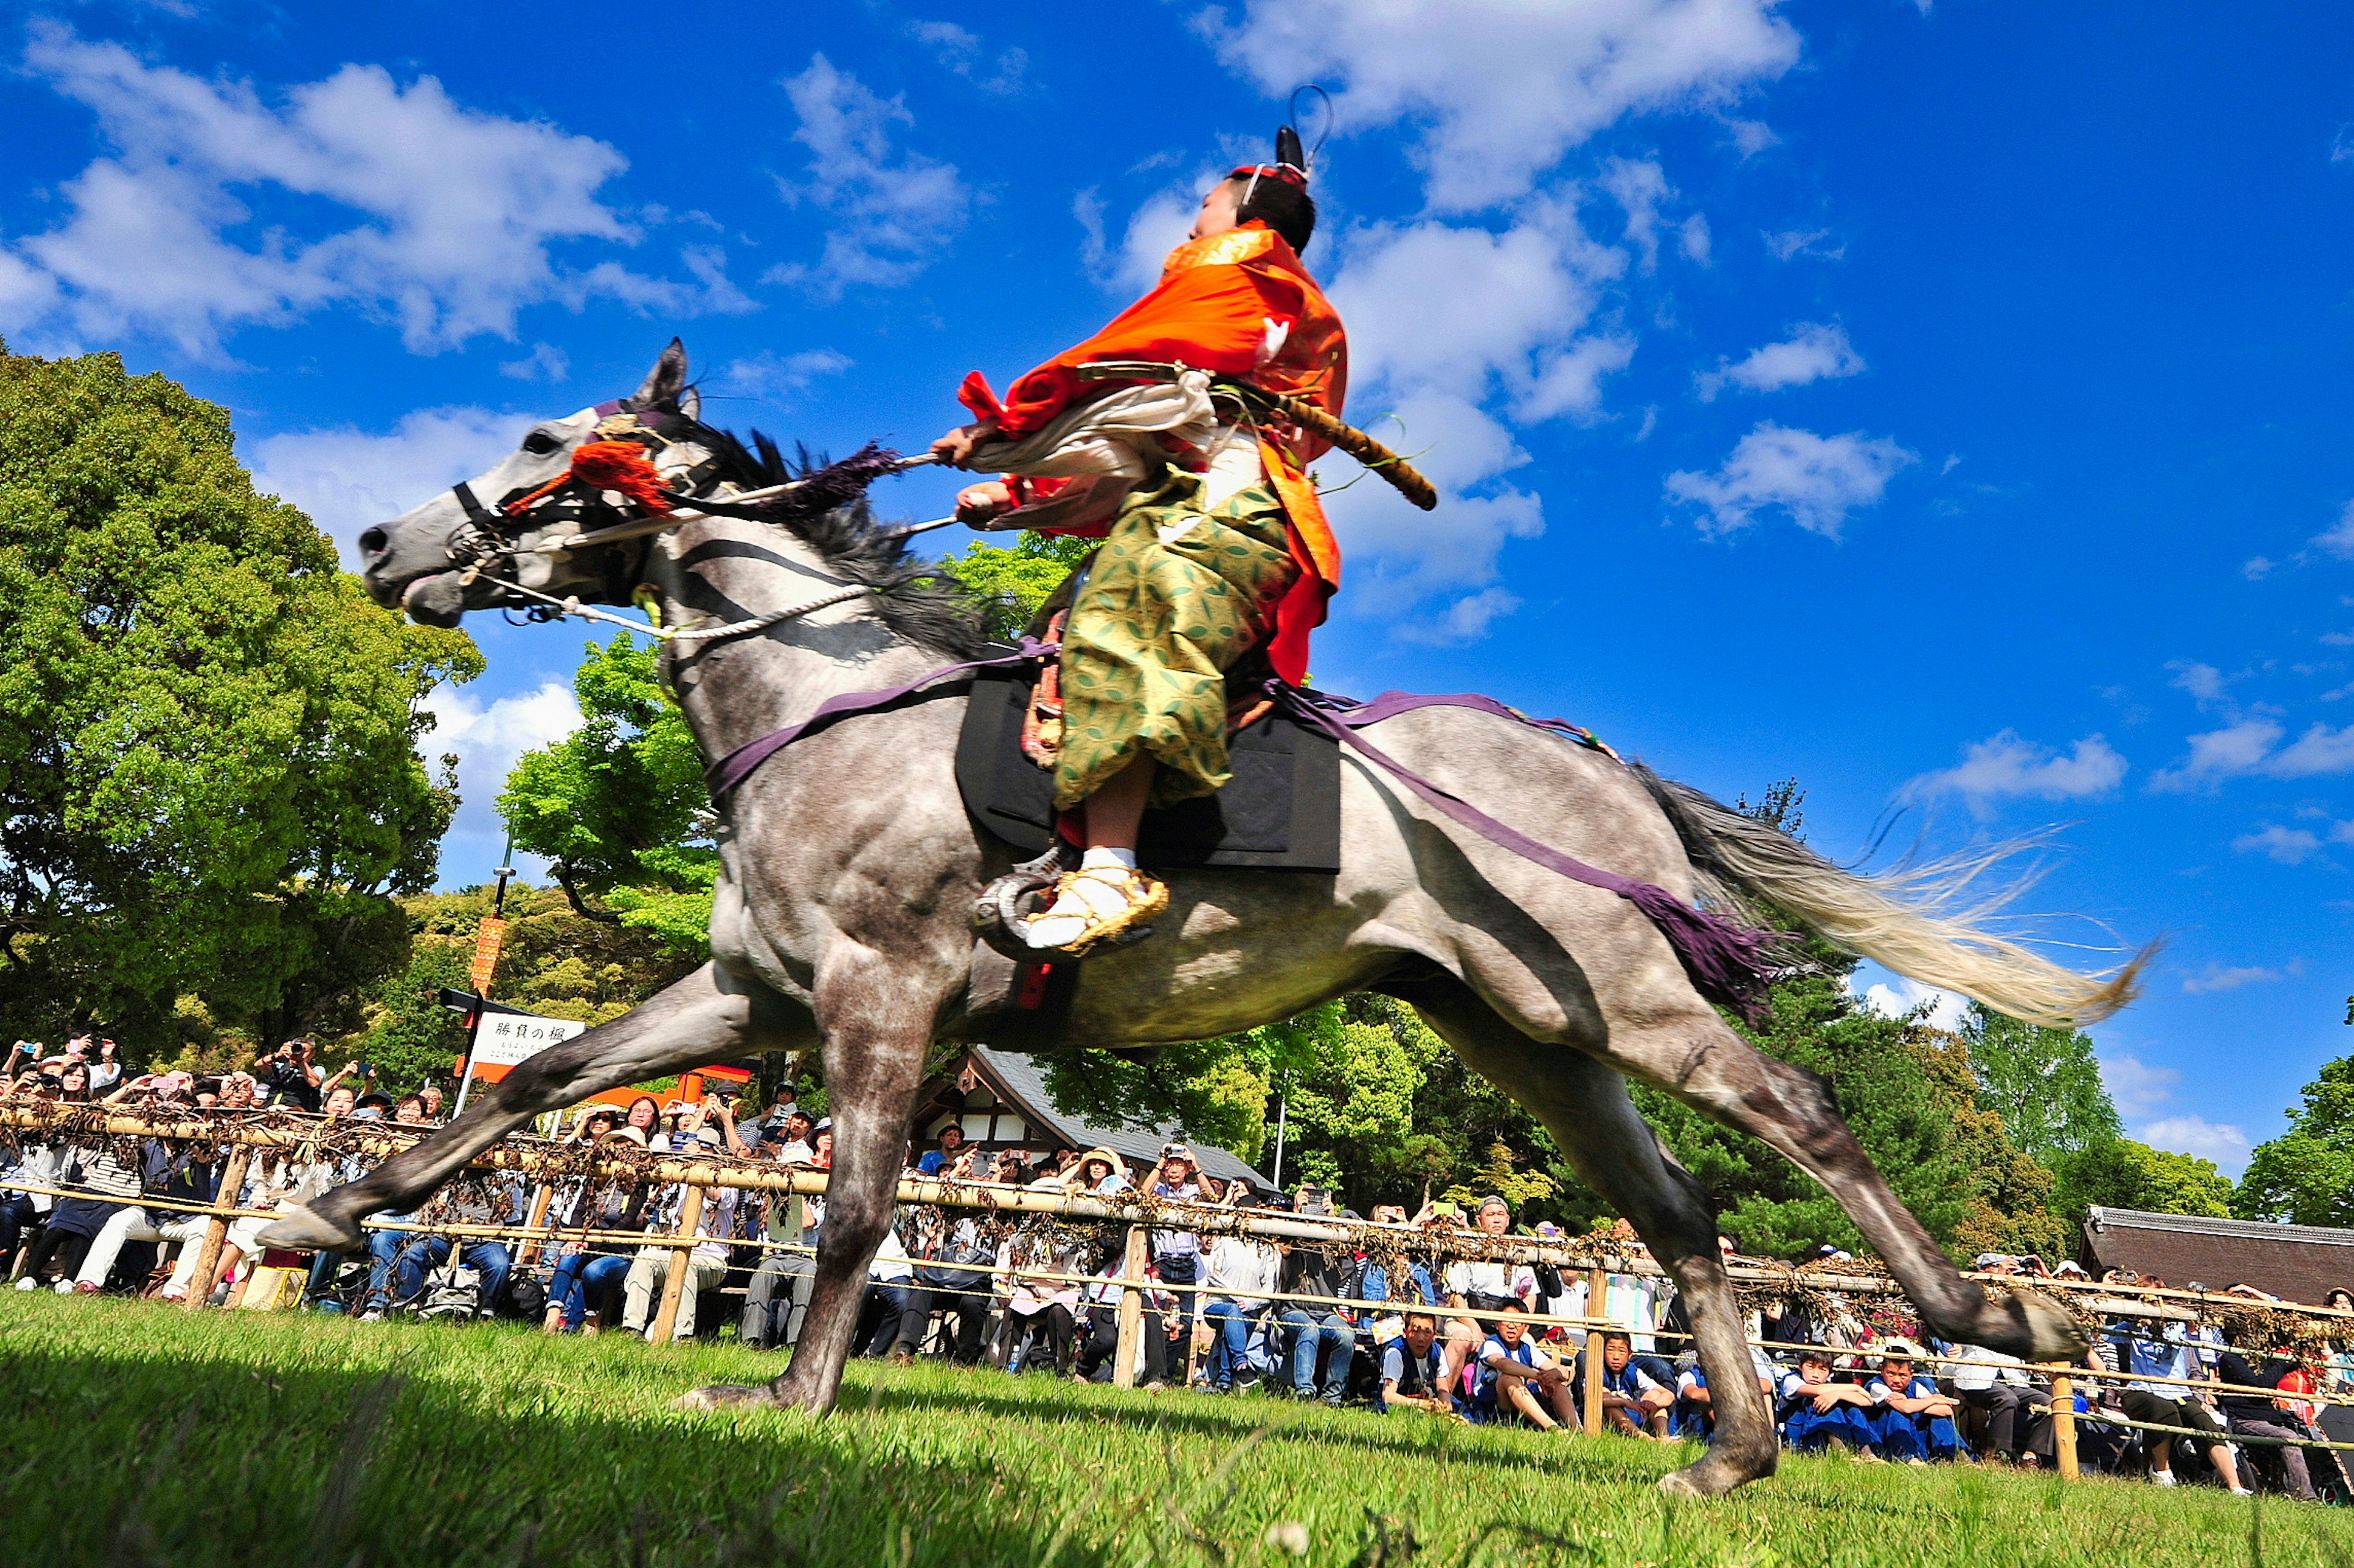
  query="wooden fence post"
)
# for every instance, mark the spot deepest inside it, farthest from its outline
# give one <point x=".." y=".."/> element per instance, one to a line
<point x="1597" y="1307"/>
<point x="682" y="1258"/>
<point x="528" y="1254"/>
<point x="208" y="1254"/>
<point x="1131" y="1311"/>
<point x="2064" y="1423"/>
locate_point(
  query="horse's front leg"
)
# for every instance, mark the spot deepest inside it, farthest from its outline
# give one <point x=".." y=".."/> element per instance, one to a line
<point x="708" y="1015"/>
<point x="879" y="1026"/>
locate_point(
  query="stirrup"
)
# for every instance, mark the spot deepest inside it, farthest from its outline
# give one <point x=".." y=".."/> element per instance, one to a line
<point x="1144" y="899"/>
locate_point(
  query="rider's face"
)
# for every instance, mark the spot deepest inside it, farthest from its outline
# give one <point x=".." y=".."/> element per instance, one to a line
<point x="1217" y="214"/>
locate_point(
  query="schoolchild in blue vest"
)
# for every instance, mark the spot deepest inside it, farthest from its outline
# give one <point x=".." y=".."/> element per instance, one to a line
<point x="1694" y="1415"/>
<point x="1914" y="1421"/>
<point x="1411" y="1370"/>
<point x="1817" y="1411"/>
<point x="1514" y="1377"/>
<point x="1633" y="1402"/>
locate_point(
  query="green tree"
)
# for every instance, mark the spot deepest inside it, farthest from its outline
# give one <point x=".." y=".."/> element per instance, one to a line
<point x="209" y="778"/>
<point x="2123" y="1174"/>
<point x="619" y="806"/>
<point x="1011" y="581"/>
<point x="2306" y="1176"/>
<point x="2045" y="1084"/>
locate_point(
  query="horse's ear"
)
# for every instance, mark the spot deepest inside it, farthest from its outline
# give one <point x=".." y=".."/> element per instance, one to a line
<point x="666" y="381"/>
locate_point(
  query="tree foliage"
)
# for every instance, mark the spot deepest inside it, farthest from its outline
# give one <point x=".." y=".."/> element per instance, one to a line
<point x="2045" y="1084"/>
<point x="1011" y="581"/>
<point x="209" y="778"/>
<point x="619" y="806"/>
<point x="2306" y="1176"/>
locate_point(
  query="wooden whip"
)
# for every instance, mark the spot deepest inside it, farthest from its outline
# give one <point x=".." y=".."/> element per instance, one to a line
<point x="1401" y="475"/>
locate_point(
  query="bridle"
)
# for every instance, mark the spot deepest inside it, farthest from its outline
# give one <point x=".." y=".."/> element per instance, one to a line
<point x="488" y="537"/>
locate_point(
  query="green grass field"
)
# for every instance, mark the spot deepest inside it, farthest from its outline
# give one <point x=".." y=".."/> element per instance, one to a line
<point x="135" y="1434"/>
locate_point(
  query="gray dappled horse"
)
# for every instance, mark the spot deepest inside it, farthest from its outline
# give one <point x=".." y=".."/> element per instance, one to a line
<point x="849" y="870"/>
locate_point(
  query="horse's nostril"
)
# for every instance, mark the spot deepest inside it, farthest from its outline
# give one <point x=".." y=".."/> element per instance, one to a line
<point x="373" y="542"/>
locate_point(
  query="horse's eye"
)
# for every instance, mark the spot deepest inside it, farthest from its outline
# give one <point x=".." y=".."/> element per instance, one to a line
<point x="539" y="443"/>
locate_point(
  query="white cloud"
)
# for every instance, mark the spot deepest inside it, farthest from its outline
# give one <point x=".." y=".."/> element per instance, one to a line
<point x="1816" y="242"/>
<point x="2245" y="747"/>
<point x="2205" y="683"/>
<point x="2134" y="1087"/>
<point x="962" y="51"/>
<point x="2224" y="976"/>
<point x="1465" y="620"/>
<point x="1814" y="353"/>
<point x="448" y="216"/>
<point x="346" y="479"/>
<point x="2338" y="537"/>
<point x="779" y="377"/>
<point x="487" y="739"/>
<point x="545" y="362"/>
<point x="1505" y="88"/>
<point x="1640" y="188"/>
<point x="2007" y="766"/>
<point x="894" y="209"/>
<point x="1816" y="480"/>
<point x="2257" y="569"/>
<point x="2221" y="1142"/>
<point x="1693" y="239"/>
<point x="1900" y="996"/>
<point x="2290" y="846"/>
<point x="1751" y="137"/>
<point x="1446" y="321"/>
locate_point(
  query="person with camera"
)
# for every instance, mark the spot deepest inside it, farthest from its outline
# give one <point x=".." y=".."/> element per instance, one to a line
<point x="1177" y="1255"/>
<point x="1481" y="1289"/>
<point x="291" y="1074"/>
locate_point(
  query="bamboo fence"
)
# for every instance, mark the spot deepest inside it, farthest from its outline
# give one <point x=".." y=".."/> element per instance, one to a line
<point x="238" y="1136"/>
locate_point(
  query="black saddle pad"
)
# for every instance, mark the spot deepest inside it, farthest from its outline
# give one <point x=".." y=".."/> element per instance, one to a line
<point x="1281" y="813"/>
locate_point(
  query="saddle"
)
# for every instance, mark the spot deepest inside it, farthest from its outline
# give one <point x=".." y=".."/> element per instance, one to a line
<point x="1280" y="812"/>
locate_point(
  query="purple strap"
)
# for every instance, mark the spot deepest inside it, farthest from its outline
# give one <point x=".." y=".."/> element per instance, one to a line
<point x="731" y="769"/>
<point x="1727" y="961"/>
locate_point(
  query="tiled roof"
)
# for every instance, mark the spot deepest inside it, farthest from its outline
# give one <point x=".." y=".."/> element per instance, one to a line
<point x="2299" y="1263"/>
<point x="1019" y="1080"/>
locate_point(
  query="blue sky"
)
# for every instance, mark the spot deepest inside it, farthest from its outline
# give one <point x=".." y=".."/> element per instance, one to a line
<point x="1944" y="405"/>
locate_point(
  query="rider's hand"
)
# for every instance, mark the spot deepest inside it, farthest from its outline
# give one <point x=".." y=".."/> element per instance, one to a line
<point x="977" y="503"/>
<point x="955" y="449"/>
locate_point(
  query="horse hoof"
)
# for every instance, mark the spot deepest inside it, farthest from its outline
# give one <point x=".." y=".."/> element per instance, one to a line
<point x="2053" y="1334"/>
<point x="307" y="1230"/>
<point x="726" y="1397"/>
<point x="1700" y="1481"/>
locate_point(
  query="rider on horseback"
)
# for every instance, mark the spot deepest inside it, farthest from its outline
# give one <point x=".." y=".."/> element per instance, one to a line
<point x="1213" y="542"/>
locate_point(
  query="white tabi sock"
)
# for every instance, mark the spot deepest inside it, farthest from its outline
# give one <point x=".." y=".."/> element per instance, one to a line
<point x="1076" y="910"/>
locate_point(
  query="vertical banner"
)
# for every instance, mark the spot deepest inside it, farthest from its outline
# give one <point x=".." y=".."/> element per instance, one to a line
<point x="487" y="943"/>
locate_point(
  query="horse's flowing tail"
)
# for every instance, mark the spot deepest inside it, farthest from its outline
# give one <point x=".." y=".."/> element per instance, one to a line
<point x="1923" y="924"/>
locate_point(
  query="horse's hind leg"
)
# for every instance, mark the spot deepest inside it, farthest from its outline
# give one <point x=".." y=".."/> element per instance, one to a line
<point x="1695" y="1056"/>
<point x="1585" y="1107"/>
<point x="707" y="1015"/>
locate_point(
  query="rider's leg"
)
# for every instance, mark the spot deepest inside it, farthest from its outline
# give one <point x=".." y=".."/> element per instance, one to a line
<point x="1114" y="816"/>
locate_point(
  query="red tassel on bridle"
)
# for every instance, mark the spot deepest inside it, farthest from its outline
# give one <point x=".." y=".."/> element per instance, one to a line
<point x="606" y="465"/>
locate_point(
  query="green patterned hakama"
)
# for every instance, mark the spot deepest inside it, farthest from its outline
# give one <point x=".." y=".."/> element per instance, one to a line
<point x="1154" y="629"/>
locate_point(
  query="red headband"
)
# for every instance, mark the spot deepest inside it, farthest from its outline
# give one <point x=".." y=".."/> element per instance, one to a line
<point x="1287" y="173"/>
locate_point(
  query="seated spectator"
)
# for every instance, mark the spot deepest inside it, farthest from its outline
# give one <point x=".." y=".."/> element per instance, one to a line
<point x="1035" y="1306"/>
<point x="384" y="1246"/>
<point x="778" y="1292"/>
<point x="1817" y="1411"/>
<point x="706" y="1261"/>
<point x="884" y="1315"/>
<point x="494" y="1199"/>
<point x="2149" y="1352"/>
<point x="1634" y="1401"/>
<point x="1694" y="1415"/>
<point x="1319" y="1334"/>
<point x="429" y="1096"/>
<point x="1513" y="1378"/>
<point x="2005" y="1397"/>
<point x="1410" y="1367"/>
<point x="1915" y="1420"/>
<point x="952" y="1277"/>
<point x="1101" y="1339"/>
<point x="2256" y="1416"/>
<point x="1240" y="1270"/>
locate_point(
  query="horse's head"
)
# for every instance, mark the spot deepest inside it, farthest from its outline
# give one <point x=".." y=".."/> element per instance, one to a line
<point x="437" y="562"/>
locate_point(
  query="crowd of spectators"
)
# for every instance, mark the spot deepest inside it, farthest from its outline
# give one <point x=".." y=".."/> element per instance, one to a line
<point x="1405" y="1333"/>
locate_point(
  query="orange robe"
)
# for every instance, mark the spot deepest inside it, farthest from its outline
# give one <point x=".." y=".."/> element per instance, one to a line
<point x="1238" y="305"/>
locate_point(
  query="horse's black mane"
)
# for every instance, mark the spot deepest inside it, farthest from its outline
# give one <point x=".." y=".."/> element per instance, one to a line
<point x="922" y="600"/>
